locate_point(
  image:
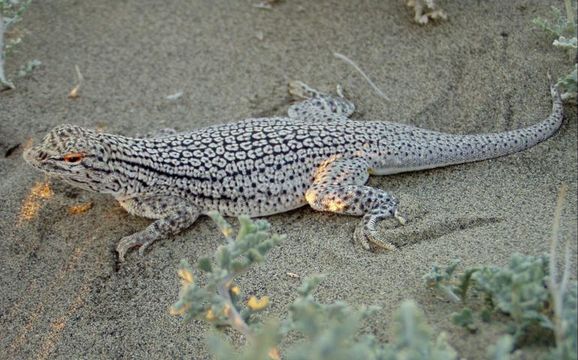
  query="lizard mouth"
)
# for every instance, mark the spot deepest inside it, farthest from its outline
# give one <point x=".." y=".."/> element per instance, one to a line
<point x="42" y="161"/>
<point x="32" y="156"/>
<point x="35" y="156"/>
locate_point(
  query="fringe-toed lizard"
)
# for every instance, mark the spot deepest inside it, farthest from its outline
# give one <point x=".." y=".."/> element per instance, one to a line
<point x="259" y="167"/>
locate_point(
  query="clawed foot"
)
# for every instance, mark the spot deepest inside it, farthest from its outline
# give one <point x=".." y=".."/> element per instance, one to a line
<point x="399" y="217"/>
<point x="368" y="238"/>
<point x="301" y="90"/>
<point x="140" y="240"/>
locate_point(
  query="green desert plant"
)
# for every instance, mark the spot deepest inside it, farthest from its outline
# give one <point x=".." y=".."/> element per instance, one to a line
<point x="10" y="13"/>
<point x="563" y="27"/>
<point x="563" y="293"/>
<point x="218" y="301"/>
<point x="324" y="331"/>
<point x="502" y="349"/>
<point x="27" y="68"/>
<point x="527" y="290"/>
<point x="522" y="290"/>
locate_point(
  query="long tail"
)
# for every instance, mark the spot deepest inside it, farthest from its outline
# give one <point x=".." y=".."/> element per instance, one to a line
<point x="437" y="149"/>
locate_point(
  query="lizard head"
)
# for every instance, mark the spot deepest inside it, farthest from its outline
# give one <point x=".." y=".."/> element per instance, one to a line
<point x="77" y="156"/>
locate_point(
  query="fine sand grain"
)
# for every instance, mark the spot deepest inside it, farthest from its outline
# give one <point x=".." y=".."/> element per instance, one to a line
<point x="62" y="293"/>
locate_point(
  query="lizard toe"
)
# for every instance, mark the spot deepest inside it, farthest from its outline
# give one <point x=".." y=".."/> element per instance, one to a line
<point x="139" y="239"/>
<point x="124" y="245"/>
<point x="369" y="239"/>
<point x="144" y="246"/>
<point x="301" y="90"/>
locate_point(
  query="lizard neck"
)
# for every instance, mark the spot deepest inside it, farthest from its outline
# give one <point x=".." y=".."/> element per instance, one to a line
<point x="124" y="156"/>
<point x="142" y="166"/>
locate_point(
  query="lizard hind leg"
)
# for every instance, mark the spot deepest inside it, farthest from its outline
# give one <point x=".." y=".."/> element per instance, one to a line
<point x="339" y="187"/>
<point x="318" y="106"/>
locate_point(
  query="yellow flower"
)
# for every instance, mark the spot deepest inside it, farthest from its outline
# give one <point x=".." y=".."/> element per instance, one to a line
<point x="274" y="354"/>
<point x="179" y="309"/>
<point x="228" y="231"/>
<point x="258" y="304"/>
<point x="186" y="276"/>
<point x="210" y="316"/>
<point x="235" y="290"/>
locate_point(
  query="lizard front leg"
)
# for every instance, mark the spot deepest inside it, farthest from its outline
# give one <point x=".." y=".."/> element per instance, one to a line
<point x="338" y="187"/>
<point x="173" y="215"/>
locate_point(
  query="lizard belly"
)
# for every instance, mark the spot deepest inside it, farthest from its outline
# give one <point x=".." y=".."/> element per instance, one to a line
<point x="266" y="211"/>
<point x="252" y="208"/>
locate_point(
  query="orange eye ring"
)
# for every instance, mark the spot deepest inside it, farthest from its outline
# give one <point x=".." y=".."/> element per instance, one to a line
<point x="73" y="157"/>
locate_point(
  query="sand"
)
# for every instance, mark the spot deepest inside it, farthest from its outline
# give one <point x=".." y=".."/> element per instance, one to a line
<point x="62" y="292"/>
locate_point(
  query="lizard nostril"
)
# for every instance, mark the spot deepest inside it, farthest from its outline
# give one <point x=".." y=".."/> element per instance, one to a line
<point x="42" y="155"/>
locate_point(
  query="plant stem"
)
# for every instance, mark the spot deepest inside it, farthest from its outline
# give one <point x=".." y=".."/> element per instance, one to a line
<point x="569" y="13"/>
<point x="4" y="83"/>
<point x="235" y="318"/>
<point x="451" y="295"/>
<point x="557" y="289"/>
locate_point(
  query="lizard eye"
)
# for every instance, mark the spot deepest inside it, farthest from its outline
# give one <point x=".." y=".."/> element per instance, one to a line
<point x="73" y="157"/>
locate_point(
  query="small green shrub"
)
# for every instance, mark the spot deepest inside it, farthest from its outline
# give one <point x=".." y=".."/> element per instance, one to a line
<point x="325" y="331"/>
<point x="564" y="27"/>
<point x="540" y="304"/>
<point x="502" y="349"/>
<point x="10" y="13"/>
<point x="218" y="301"/>
<point x="520" y="290"/>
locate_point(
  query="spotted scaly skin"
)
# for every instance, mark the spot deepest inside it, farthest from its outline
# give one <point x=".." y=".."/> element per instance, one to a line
<point x="259" y="167"/>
